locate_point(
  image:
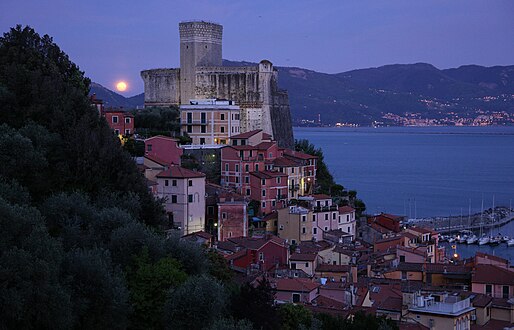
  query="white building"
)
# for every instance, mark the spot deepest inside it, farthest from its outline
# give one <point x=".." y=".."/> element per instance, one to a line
<point x="184" y="191"/>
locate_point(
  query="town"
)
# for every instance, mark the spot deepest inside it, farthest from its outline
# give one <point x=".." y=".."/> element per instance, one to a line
<point x="264" y="215"/>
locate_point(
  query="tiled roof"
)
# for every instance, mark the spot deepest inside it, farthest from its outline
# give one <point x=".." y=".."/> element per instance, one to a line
<point x="176" y="171"/>
<point x="246" y="135"/>
<point x="285" y="162"/>
<point x="481" y="300"/>
<point x="333" y="268"/>
<point x="491" y="274"/>
<point x="491" y="257"/>
<point x="391" y="304"/>
<point x="346" y="209"/>
<point x="268" y="174"/>
<point x="156" y="160"/>
<point x="313" y="247"/>
<point x="254" y="243"/>
<point x="421" y="230"/>
<point x="298" y="154"/>
<point x="303" y="257"/>
<point x="296" y="284"/>
<point x="322" y="301"/>
<point x="265" y="145"/>
<point x="201" y="234"/>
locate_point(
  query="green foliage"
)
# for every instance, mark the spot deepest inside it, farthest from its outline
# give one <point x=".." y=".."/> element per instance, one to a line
<point x="252" y="302"/>
<point x="157" y="121"/>
<point x="324" y="179"/>
<point x="149" y="283"/>
<point x="197" y="303"/>
<point x="358" y="321"/>
<point x="231" y="324"/>
<point x="294" y="317"/>
<point x="218" y="267"/>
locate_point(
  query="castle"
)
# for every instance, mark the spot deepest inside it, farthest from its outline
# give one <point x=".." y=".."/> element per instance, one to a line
<point x="202" y="76"/>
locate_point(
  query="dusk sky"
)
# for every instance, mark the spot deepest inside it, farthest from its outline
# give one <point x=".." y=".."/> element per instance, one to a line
<point x="115" y="40"/>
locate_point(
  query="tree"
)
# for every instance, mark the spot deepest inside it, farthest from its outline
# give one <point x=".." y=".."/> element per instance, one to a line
<point x="218" y="267"/>
<point x="324" y="179"/>
<point x="294" y="317"/>
<point x="231" y="324"/>
<point x="149" y="283"/>
<point x="197" y="303"/>
<point x="252" y="302"/>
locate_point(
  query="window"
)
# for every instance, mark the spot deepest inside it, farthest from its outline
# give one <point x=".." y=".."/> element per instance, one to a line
<point x="263" y="192"/>
<point x="263" y="182"/>
<point x="189" y="117"/>
<point x="117" y="131"/>
<point x="237" y="167"/>
<point x="261" y="256"/>
<point x="247" y="192"/>
<point x="247" y="179"/>
<point x="222" y="116"/>
<point x="226" y="167"/>
<point x="505" y="291"/>
<point x="296" y="297"/>
<point x="326" y="228"/>
<point x="293" y="265"/>
<point x="303" y="230"/>
<point x="273" y="203"/>
<point x="333" y="215"/>
<point x="404" y="275"/>
<point x="306" y="264"/>
<point x="127" y="132"/>
<point x="203" y="129"/>
<point x="304" y="218"/>
<point x="166" y="183"/>
<point x="203" y="117"/>
<point x="174" y="199"/>
<point x="313" y="217"/>
<point x="292" y="170"/>
<point x="281" y="227"/>
<point x="347" y="218"/>
<point x="263" y="204"/>
<point x="222" y="129"/>
<point x="247" y="168"/>
<point x="114" y="119"/>
<point x="488" y="289"/>
<point x="402" y="258"/>
<point x="189" y="129"/>
<point x="190" y="183"/>
<point x="224" y="215"/>
<point x="256" y="167"/>
<point x="278" y="179"/>
<point x="127" y="120"/>
<point x="189" y="198"/>
<point x="326" y="203"/>
<point x="237" y="179"/>
<point x="314" y="231"/>
<point x="202" y="140"/>
<point x="148" y="147"/>
<point x="326" y="216"/>
<point x="174" y="183"/>
<point x="210" y="210"/>
<point x="348" y="229"/>
<point x="270" y="155"/>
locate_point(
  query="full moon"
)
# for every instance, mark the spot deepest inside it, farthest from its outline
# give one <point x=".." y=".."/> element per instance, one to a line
<point x="121" y="86"/>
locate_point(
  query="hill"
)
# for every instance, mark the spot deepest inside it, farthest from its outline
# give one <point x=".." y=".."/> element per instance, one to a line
<point x="397" y="94"/>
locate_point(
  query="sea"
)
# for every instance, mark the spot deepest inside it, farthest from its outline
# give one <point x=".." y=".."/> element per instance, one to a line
<point x="423" y="171"/>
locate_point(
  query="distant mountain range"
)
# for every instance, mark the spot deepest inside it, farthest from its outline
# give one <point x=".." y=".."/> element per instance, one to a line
<point x="379" y="94"/>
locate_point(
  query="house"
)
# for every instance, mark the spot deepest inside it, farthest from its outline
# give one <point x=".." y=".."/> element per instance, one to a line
<point x="250" y="138"/>
<point x="200" y="238"/>
<point x="268" y="189"/>
<point x="306" y="262"/>
<point x="119" y="120"/>
<point x="226" y="212"/>
<point x="262" y="253"/>
<point x="494" y="281"/>
<point x="163" y="148"/>
<point x="338" y="273"/>
<point x="184" y="194"/>
<point x="450" y="312"/>
<point x="294" y="224"/>
<point x="210" y="121"/>
<point x="488" y="259"/>
<point x="295" y="290"/>
<point x="347" y="220"/>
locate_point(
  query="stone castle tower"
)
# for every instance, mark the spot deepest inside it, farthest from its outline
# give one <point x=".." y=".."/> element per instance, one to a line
<point x="202" y="75"/>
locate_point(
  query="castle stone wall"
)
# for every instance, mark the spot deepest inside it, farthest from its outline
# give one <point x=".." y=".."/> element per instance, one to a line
<point x="161" y="87"/>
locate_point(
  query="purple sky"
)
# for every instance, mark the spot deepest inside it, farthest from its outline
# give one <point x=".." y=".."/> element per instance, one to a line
<point x="115" y="40"/>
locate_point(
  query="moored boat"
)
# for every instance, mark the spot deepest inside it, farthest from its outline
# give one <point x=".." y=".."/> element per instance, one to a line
<point x="483" y="240"/>
<point x="510" y="242"/>
<point x="472" y="239"/>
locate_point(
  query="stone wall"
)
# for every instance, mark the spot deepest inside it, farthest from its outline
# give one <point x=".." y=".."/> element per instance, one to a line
<point x="162" y="87"/>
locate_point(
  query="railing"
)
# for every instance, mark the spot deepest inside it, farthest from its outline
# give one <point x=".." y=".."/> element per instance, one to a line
<point x="195" y="122"/>
<point x="324" y="208"/>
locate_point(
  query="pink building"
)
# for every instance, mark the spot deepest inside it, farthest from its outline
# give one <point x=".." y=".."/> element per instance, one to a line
<point x="265" y="253"/>
<point x="119" y="120"/>
<point x="269" y="189"/>
<point x="296" y="290"/>
<point x="251" y="138"/>
<point x="163" y="148"/>
<point x="494" y="281"/>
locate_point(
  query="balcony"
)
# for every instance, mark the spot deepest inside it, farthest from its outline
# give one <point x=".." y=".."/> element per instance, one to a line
<point x="451" y="306"/>
<point x="195" y="122"/>
<point x="324" y="208"/>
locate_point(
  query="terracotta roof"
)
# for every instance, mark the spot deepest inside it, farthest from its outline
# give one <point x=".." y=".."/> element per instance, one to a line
<point x="490" y="274"/>
<point x="156" y="160"/>
<point x="272" y="216"/>
<point x="285" y="162"/>
<point x="421" y="230"/>
<point x="418" y="251"/>
<point x="176" y="171"/>
<point x="303" y="257"/>
<point x="321" y="196"/>
<point x="266" y="136"/>
<point x="246" y="135"/>
<point x="237" y="255"/>
<point x="265" y="145"/>
<point x="346" y="209"/>
<point x="333" y="268"/>
<point x="389" y="239"/>
<point x="502" y="302"/>
<point x="391" y="304"/>
<point x="481" y="300"/>
<point x="296" y="284"/>
<point x="161" y="137"/>
<point x="379" y="228"/>
<point x="322" y="301"/>
<point x="493" y="325"/>
<point x="491" y="257"/>
<point x="298" y="154"/>
<point x="412" y="326"/>
<point x="254" y="243"/>
<point x="201" y="234"/>
<point x="313" y="247"/>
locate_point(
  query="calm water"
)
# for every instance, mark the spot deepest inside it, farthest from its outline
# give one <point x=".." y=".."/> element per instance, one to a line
<point x="420" y="171"/>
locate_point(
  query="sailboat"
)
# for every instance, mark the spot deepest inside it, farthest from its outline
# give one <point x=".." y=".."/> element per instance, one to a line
<point x="483" y="238"/>
<point x="493" y="240"/>
<point x="472" y="239"/>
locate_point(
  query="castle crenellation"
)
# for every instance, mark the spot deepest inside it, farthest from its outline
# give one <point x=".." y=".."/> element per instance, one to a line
<point x="202" y="76"/>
